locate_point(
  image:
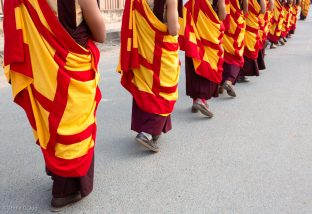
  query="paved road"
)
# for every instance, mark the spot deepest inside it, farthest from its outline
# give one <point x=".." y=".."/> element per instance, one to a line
<point x="254" y="156"/>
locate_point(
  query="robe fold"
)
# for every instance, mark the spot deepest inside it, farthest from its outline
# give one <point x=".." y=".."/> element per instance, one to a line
<point x="294" y="18"/>
<point x="252" y="35"/>
<point x="287" y="20"/>
<point x="233" y="40"/>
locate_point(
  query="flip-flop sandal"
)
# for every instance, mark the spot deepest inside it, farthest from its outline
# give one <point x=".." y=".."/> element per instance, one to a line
<point x="203" y="109"/>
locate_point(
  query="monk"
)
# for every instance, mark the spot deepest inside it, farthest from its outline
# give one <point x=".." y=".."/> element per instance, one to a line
<point x="287" y="21"/>
<point x="233" y="44"/>
<point x="252" y="39"/>
<point x="305" y="7"/>
<point x="149" y="65"/>
<point x="295" y="12"/>
<point x="202" y="42"/>
<point x="292" y="17"/>
<point x="265" y="24"/>
<point x="276" y="24"/>
<point x="51" y="62"/>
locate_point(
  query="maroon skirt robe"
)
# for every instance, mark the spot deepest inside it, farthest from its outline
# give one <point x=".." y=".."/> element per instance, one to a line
<point x="197" y="86"/>
<point x="250" y="68"/>
<point x="66" y="186"/>
<point x="149" y="123"/>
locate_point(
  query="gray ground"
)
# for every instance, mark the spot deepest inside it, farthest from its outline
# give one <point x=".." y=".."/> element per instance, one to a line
<point x="254" y="156"/>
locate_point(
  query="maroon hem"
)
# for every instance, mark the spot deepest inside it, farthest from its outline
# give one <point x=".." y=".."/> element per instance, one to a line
<point x="250" y="68"/>
<point x="147" y="122"/>
<point x="65" y="186"/>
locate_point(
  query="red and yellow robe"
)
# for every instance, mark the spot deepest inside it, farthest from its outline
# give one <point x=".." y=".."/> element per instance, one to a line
<point x="294" y="17"/>
<point x="201" y="39"/>
<point x="233" y="40"/>
<point x="287" y="18"/>
<point x="149" y="62"/>
<point x="305" y="7"/>
<point x="265" y="26"/>
<point x="252" y="35"/>
<point x="276" y="22"/>
<point x="55" y="80"/>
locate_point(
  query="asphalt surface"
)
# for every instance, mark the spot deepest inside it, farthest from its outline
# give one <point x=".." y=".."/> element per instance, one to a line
<point x="254" y="156"/>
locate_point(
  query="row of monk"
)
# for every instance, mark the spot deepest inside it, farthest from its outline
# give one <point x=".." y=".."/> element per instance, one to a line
<point x="51" y="62"/>
<point x="224" y="42"/>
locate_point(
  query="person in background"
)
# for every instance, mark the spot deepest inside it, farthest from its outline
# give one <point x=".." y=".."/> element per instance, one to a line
<point x="305" y="7"/>
<point x="287" y="19"/>
<point x="233" y="44"/>
<point x="295" y="11"/>
<point x="265" y="24"/>
<point x="276" y="24"/>
<point x="252" y="39"/>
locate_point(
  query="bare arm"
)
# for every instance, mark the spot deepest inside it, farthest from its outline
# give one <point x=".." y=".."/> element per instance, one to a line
<point x="245" y="6"/>
<point x="263" y="6"/>
<point x="172" y="17"/>
<point x="94" y="19"/>
<point x="221" y="10"/>
<point x="271" y="5"/>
